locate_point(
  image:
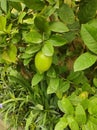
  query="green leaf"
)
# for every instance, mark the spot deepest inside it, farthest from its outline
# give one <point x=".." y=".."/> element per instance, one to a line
<point x="58" y="27"/>
<point x="16" y="5"/>
<point x="32" y="37"/>
<point x="53" y="85"/>
<point x="70" y="36"/>
<point x="5" y="56"/>
<point x="4" y="5"/>
<point x="77" y="77"/>
<point x="29" y="21"/>
<point x="84" y="61"/>
<point x="57" y="40"/>
<point x="51" y="73"/>
<point x="26" y="56"/>
<point x="12" y="52"/>
<point x="66" y="14"/>
<point x="34" y="4"/>
<point x="32" y="49"/>
<point x="72" y="123"/>
<point x="27" y="61"/>
<point x="48" y="11"/>
<point x="87" y="10"/>
<point x="41" y="23"/>
<point x="80" y="115"/>
<point x="48" y="49"/>
<point x="93" y="119"/>
<point x="2" y="23"/>
<point x="74" y="99"/>
<point x="95" y="81"/>
<point x="84" y="103"/>
<point x="63" y="87"/>
<point x="89" y="35"/>
<point x="21" y="16"/>
<point x="36" y="79"/>
<point x="62" y="124"/>
<point x="66" y="106"/>
<point x="8" y="30"/>
<point x="89" y="126"/>
<point x="92" y="106"/>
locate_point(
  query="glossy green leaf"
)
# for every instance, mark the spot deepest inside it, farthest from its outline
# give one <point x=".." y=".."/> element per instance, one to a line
<point x="80" y="115"/>
<point x="66" y="14"/>
<point x="75" y="100"/>
<point x="77" y="77"/>
<point x="66" y="106"/>
<point x="2" y="23"/>
<point x="34" y="4"/>
<point x="48" y="11"/>
<point x="27" y="61"/>
<point x="5" y="56"/>
<point x="87" y="87"/>
<point x="84" y="103"/>
<point x="4" y="5"/>
<point x="16" y="5"/>
<point x="89" y="35"/>
<point x="72" y="123"/>
<point x="86" y="12"/>
<point x="53" y="85"/>
<point x="41" y="23"/>
<point x="93" y="119"/>
<point x="32" y="49"/>
<point x="36" y="79"/>
<point x="92" y="107"/>
<point x="26" y="56"/>
<point x="70" y="36"/>
<point x="62" y="124"/>
<point x="12" y="52"/>
<point x="32" y="37"/>
<point x="48" y="49"/>
<point x="51" y="73"/>
<point x="63" y="87"/>
<point x="8" y="30"/>
<point x="95" y="81"/>
<point x="21" y="16"/>
<point x="89" y="126"/>
<point x="28" y="21"/>
<point x="84" y="61"/>
<point x="84" y="127"/>
<point x="10" y="55"/>
<point x="57" y="40"/>
<point x="58" y="27"/>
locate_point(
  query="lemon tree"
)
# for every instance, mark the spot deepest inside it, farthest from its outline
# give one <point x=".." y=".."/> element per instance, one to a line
<point x="48" y="64"/>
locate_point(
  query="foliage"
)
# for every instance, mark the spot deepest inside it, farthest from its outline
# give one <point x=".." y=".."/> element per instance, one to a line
<point x="65" y="95"/>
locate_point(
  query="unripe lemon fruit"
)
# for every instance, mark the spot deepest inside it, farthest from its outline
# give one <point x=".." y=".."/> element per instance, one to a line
<point x="42" y="62"/>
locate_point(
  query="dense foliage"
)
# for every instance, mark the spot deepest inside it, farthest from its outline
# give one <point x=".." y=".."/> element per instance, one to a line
<point x="62" y="93"/>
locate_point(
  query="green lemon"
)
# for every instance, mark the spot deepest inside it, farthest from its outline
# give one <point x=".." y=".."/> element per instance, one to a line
<point x="42" y="62"/>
